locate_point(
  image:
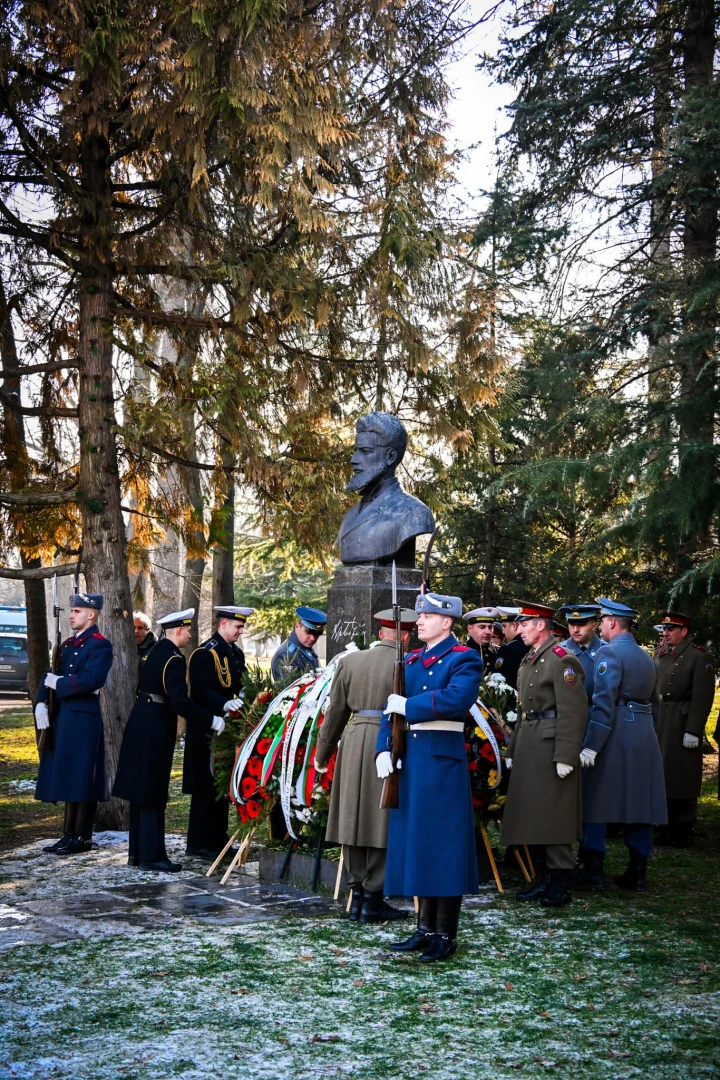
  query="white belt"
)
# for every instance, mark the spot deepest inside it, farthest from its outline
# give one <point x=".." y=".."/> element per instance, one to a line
<point x="438" y="725"/>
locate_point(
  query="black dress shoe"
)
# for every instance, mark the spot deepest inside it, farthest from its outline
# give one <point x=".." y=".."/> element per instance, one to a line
<point x="534" y="891"/>
<point x="374" y="909"/>
<point x="164" y="866"/>
<point x="558" y="892"/>
<point x="64" y="839"/>
<point x="356" y="903"/>
<point x="440" y="948"/>
<point x="75" y="846"/>
<point x="420" y="940"/>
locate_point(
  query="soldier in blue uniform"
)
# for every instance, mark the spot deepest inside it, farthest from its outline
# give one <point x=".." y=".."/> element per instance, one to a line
<point x="296" y="655"/>
<point x="215" y="675"/>
<point x="146" y="754"/>
<point x="582" y="620"/>
<point x="73" y="769"/>
<point x="623" y="781"/>
<point x="431" y="840"/>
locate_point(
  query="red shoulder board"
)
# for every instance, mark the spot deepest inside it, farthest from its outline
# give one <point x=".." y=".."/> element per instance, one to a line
<point x="460" y="648"/>
<point x="559" y="651"/>
<point x="412" y="656"/>
<point x="67" y="641"/>
<point x="700" y="648"/>
<point x="97" y="635"/>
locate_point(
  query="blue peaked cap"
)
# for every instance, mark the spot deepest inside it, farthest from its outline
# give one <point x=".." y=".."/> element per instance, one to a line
<point x="312" y="619"/>
<point x="579" y="612"/>
<point x="616" y="609"/>
<point x="92" y="600"/>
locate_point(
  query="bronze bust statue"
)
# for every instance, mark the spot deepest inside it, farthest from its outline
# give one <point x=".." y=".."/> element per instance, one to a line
<point x="384" y="524"/>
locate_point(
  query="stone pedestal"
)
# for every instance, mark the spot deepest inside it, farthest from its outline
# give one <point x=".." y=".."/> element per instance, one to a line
<point x="357" y="593"/>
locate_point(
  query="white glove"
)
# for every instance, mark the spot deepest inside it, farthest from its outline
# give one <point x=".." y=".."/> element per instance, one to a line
<point x="383" y="764"/>
<point x="51" y="680"/>
<point x="395" y="704"/>
<point x="563" y="770"/>
<point x="508" y="763"/>
<point x="690" y="742"/>
<point x="587" y="757"/>
<point x="319" y="768"/>
<point x="235" y="705"/>
<point x="218" y="724"/>
<point x="42" y="716"/>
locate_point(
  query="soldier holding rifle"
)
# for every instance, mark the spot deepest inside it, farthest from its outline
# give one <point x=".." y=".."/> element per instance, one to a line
<point x="72" y="761"/>
<point x="431" y="840"/>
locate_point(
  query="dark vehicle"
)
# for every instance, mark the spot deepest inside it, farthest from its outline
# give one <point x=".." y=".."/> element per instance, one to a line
<point x="14" y="663"/>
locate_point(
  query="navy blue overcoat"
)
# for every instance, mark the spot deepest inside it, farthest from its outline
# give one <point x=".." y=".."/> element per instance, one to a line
<point x="431" y="838"/>
<point x="74" y="769"/>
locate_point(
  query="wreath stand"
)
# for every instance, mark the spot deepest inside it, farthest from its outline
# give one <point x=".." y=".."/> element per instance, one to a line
<point x="528" y="871"/>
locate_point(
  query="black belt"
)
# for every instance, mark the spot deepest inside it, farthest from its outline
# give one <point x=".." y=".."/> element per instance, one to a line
<point x="157" y="699"/>
<point x="548" y="714"/>
<point x="625" y="699"/>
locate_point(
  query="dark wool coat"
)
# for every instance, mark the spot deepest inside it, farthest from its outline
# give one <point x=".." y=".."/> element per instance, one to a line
<point x="626" y="782"/>
<point x="541" y="808"/>
<point x="215" y="676"/>
<point x="73" y="770"/>
<point x="509" y="658"/>
<point x="431" y="838"/>
<point x="686" y="685"/>
<point x="363" y="681"/>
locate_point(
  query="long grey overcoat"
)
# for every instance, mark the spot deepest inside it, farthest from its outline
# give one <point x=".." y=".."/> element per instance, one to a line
<point x="626" y="782"/>
<point x="541" y="808"/>
<point x="686" y="685"/>
<point x="362" y="681"/>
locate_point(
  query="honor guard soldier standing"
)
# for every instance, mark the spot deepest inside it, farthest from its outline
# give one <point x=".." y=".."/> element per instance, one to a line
<point x="686" y="685"/>
<point x="73" y="769"/>
<point x="510" y="654"/>
<point x="296" y="654"/>
<point x="146" y="754"/>
<point x="623" y="783"/>
<point x="543" y="802"/>
<point x="480" y="626"/>
<point x="361" y="686"/>
<point x="582" y="621"/>
<point x="215" y="678"/>
<point x="431" y="838"/>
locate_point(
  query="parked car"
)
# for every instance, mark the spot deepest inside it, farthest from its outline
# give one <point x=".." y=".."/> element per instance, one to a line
<point x="14" y="663"/>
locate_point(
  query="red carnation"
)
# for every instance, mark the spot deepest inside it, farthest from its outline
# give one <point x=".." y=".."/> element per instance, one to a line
<point x="253" y="809"/>
<point x="249" y="787"/>
<point x="263" y="745"/>
<point x="254" y="767"/>
<point x="243" y="814"/>
<point x="487" y="752"/>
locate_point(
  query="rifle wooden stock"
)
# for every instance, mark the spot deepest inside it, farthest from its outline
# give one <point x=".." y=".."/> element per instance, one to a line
<point x="390" y="796"/>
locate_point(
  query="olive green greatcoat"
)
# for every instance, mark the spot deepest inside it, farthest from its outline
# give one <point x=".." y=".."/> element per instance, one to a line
<point x="541" y="808"/>
<point x="363" y="680"/>
<point x="686" y="685"/>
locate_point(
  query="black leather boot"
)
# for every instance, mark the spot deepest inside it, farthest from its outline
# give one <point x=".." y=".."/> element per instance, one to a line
<point x="427" y="920"/>
<point x="444" y="941"/>
<point x="375" y="909"/>
<point x="76" y="845"/>
<point x="589" y="874"/>
<point x="356" y="903"/>
<point x="634" y="877"/>
<point x="558" y="893"/>
<point x="55" y="848"/>
<point x="535" y="890"/>
<point x="69" y="829"/>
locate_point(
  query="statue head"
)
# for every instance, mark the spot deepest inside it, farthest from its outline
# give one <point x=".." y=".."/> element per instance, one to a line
<point x="380" y="444"/>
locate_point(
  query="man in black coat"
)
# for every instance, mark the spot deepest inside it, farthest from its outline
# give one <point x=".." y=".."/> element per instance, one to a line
<point x="511" y="654"/>
<point x="144" y="637"/>
<point x="146" y="755"/>
<point x="215" y="675"/>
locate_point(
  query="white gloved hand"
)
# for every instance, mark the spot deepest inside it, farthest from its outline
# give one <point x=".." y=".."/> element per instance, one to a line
<point x="319" y="768"/>
<point x="690" y="742"/>
<point x="508" y="763"/>
<point x="563" y="770"/>
<point x="235" y="705"/>
<point x="42" y="716"/>
<point x="218" y="724"/>
<point x="587" y="757"/>
<point x="395" y="704"/>
<point x="383" y="764"/>
<point x="51" y="680"/>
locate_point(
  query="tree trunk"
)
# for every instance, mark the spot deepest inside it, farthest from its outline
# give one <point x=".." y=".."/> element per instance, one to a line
<point x="104" y="541"/>
<point x="223" y="584"/>
<point x="488" y="589"/>
<point x="194" y="563"/>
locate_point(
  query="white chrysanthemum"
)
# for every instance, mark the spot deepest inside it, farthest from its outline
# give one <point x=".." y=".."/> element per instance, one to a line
<point x="511" y="717"/>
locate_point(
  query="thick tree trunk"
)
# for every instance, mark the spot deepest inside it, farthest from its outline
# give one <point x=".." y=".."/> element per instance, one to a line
<point x="104" y="541"/>
<point x="223" y="585"/>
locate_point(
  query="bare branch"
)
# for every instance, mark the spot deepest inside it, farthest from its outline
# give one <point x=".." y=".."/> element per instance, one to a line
<point x="39" y="573"/>
<point x="32" y="497"/>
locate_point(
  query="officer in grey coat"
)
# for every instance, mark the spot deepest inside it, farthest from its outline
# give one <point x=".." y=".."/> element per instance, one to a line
<point x="624" y="778"/>
<point x="582" y="621"/>
<point x="296" y="654"/>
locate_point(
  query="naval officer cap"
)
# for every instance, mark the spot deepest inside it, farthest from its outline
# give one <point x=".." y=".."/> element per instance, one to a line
<point x="507" y="614"/>
<point x="229" y="611"/>
<point x="408" y="618"/>
<point x="430" y="603"/>
<point x="579" y="613"/>
<point x="674" y="620"/>
<point x="177" y="618"/>
<point x="486" y="615"/>
<point x="312" y="619"/>
<point x="529" y="609"/>
<point x="92" y="600"/>
<point x="615" y="609"/>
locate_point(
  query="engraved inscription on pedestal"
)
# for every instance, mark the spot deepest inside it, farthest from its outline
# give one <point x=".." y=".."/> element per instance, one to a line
<point x="357" y="593"/>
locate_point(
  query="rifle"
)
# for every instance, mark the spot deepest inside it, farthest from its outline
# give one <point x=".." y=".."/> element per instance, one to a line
<point x="45" y="738"/>
<point x="390" y="797"/>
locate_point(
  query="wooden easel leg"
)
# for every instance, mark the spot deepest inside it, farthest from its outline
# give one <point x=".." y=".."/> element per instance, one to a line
<point x="247" y="847"/>
<point x="522" y="866"/>
<point x="531" y="868"/>
<point x="416" y="901"/>
<point x="339" y="875"/>
<point x="236" y="859"/>
<point x="224" y="852"/>
<point x="491" y="857"/>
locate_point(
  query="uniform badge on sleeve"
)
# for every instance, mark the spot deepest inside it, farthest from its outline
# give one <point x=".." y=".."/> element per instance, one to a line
<point x="570" y="676"/>
<point x="602" y="667"/>
<point x="499" y="663"/>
